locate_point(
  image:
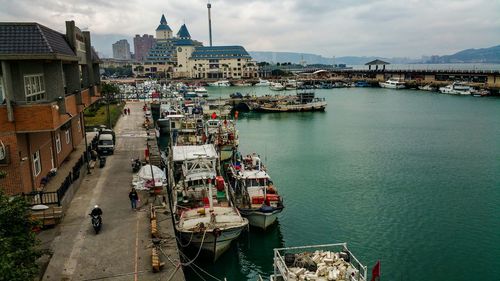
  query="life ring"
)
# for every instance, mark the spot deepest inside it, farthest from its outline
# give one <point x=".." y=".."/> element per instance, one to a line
<point x="217" y="232"/>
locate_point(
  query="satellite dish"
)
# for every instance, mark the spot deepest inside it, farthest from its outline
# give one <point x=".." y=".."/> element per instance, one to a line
<point x="3" y="151"/>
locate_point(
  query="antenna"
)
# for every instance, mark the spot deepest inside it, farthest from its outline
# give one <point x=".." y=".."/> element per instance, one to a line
<point x="209" y="6"/>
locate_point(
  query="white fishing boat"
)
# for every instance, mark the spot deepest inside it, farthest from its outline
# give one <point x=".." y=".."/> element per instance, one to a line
<point x="224" y="135"/>
<point x="457" y="88"/>
<point x="263" y="83"/>
<point x="276" y="86"/>
<point x="318" y="262"/>
<point x="392" y="83"/>
<point x="204" y="217"/>
<point x="221" y="83"/>
<point x="252" y="191"/>
<point x="292" y="84"/>
<point x="304" y="101"/>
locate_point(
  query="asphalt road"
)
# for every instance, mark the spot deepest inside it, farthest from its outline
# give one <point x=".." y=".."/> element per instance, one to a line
<point x="121" y="251"/>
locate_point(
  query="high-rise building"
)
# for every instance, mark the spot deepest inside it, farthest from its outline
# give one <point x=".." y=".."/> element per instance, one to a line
<point x="121" y="50"/>
<point x="142" y="45"/>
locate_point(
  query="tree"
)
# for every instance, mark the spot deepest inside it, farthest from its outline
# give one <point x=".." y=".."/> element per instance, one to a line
<point x="18" y="244"/>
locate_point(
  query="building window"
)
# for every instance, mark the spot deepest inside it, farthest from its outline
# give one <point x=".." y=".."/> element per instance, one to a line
<point x="37" y="165"/>
<point x="34" y="87"/>
<point x="58" y="143"/>
<point x="67" y="136"/>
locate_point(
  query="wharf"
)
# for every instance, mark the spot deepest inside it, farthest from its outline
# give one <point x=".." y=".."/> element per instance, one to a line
<point x="123" y="248"/>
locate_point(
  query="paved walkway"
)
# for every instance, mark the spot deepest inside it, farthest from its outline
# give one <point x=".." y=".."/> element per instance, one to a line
<point x="121" y="251"/>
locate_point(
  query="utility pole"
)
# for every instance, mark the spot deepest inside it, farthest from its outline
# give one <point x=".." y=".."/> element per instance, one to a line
<point x="107" y="109"/>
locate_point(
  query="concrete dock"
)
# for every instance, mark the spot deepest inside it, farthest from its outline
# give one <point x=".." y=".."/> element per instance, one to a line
<point x="122" y="250"/>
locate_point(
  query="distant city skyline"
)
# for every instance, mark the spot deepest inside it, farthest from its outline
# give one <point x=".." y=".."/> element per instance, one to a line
<point x="386" y="28"/>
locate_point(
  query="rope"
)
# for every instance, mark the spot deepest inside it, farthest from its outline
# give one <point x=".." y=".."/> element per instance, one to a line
<point x="201" y="269"/>
<point x="180" y="241"/>
<point x="199" y="250"/>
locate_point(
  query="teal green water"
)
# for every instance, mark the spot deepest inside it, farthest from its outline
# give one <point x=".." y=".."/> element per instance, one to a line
<point x="406" y="177"/>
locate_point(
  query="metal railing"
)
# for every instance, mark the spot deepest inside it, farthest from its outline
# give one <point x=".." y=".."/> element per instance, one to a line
<point x="56" y="197"/>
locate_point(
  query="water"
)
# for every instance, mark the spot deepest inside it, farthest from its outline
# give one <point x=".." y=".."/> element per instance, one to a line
<point x="406" y="177"/>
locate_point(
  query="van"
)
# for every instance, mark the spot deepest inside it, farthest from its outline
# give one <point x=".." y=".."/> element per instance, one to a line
<point x="105" y="144"/>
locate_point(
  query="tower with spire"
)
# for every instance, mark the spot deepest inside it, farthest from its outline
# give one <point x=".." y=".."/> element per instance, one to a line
<point x="163" y="31"/>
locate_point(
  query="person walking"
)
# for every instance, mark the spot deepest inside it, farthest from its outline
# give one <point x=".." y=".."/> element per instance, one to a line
<point x="128" y="110"/>
<point x="134" y="197"/>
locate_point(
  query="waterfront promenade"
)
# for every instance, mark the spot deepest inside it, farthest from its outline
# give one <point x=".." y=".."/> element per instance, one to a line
<point x="122" y="250"/>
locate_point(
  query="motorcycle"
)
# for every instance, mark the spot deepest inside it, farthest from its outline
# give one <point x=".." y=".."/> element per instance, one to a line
<point x="96" y="222"/>
<point x="136" y="165"/>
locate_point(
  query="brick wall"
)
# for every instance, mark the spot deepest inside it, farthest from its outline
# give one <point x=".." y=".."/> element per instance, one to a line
<point x="11" y="184"/>
<point x="76" y="130"/>
<point x="41" y="142"/>
<point x="66" y="148"/>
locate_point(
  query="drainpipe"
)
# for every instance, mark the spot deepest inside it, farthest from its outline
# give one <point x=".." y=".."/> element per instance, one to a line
<point x="8" y="90"/>
<point x="30" y="163"/>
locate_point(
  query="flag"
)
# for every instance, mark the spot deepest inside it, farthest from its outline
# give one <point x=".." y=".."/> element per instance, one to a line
<point x="236" y="113"/>
<point x="214" y="115"/>
<point x="376" y="271"/>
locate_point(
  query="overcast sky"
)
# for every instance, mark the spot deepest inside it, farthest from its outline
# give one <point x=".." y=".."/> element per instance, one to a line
<point x="386" y="28"/>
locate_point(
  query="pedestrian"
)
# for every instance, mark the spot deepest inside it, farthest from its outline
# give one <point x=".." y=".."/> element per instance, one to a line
<point x="128" y="110"/>
<point x="134" y="197"/>
<point x="124" y="111"/>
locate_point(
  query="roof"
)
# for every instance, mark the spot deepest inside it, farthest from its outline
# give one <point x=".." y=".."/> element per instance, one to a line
<point x="32" y="39"/>
<point x="220" y="52"/>
<point x="377" y="61"/>
<point x="183" y="42"/>
<point x="183" y="32"/>
<point x="191" y="152"/>
<point x="163" y="24"/>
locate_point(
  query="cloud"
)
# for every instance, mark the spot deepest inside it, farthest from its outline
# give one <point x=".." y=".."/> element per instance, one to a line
<point x="386" y="28"/>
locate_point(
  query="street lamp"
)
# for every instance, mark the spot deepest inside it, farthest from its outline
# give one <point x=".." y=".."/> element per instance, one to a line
<point x="87" y="155"/>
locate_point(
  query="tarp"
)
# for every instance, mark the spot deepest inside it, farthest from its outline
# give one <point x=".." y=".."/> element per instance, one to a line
<point x="144" y="174"/>
<point x="191" y="152"/>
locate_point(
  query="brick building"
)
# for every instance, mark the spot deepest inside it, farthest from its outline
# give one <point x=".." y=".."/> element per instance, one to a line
<point x="46" y="80"/>
<point x="142" y="45"/>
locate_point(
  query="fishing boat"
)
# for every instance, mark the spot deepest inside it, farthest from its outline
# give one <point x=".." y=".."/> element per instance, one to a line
<point x="252" y="191"/>
<point x="224" y="135"/>
<point x="457" y="88"/>
<point x="221" y="83"/>
<point x="317" y="262"/>
<point x="392" y="83"/>
<point x="302" y="101"/>
<point x="204" y="217"/>
<point x="276" y="86"/>
<point x="262" y="83"/>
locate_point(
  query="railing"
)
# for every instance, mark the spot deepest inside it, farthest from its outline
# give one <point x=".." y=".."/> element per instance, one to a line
<point x="56" y="197"/>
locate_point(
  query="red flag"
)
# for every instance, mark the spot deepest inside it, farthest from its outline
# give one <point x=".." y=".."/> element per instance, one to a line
<point x="214" y="115"/>
<point x="236" y="113"/>
<point x="376" y="271"/>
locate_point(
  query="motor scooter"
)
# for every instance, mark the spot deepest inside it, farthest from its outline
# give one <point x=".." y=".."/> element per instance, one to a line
<point x="96" y="222"/>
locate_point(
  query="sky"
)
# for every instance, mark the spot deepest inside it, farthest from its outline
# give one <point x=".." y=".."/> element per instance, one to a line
<point x="384" y="28"/>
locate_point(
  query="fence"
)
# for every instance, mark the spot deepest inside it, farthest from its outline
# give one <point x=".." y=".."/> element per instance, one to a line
<point x="56" y="197"/>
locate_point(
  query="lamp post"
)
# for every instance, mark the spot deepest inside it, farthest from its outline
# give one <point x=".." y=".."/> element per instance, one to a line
<point x="87" y="156"/>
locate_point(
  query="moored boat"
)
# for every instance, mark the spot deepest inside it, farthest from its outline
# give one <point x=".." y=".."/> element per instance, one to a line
<point x="262" y="83"/>
<point x="457" y="88"/>
<point x="252" y="191"/>
<point x="392" y="83"/>
<point x="204" y="217"/>
<point x="318" y="262"/>
<point x="276" y="86"/>
<point x="303" y="101"/>
<point x="427" y="87"/>
<point x="221" y="83"/>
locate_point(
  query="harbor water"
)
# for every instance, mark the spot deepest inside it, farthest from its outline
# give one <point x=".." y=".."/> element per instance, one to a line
<point x="410" y="178"/>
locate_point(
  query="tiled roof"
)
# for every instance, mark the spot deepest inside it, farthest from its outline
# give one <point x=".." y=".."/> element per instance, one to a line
<point x="31" y="39"/>
<point x="183" y="42"/>
<point x="220" y="52"/>
<point x="183" y="32"/>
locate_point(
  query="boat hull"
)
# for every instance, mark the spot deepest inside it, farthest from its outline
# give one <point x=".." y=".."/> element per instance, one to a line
<point x="293" y="108"/>
<point x="215" y="245"/>
<point x="391" y="86"/>
<point x="260" y="219"/>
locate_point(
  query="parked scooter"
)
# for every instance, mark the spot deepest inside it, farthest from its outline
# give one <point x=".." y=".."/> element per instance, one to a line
<point x="136" y="165"/>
